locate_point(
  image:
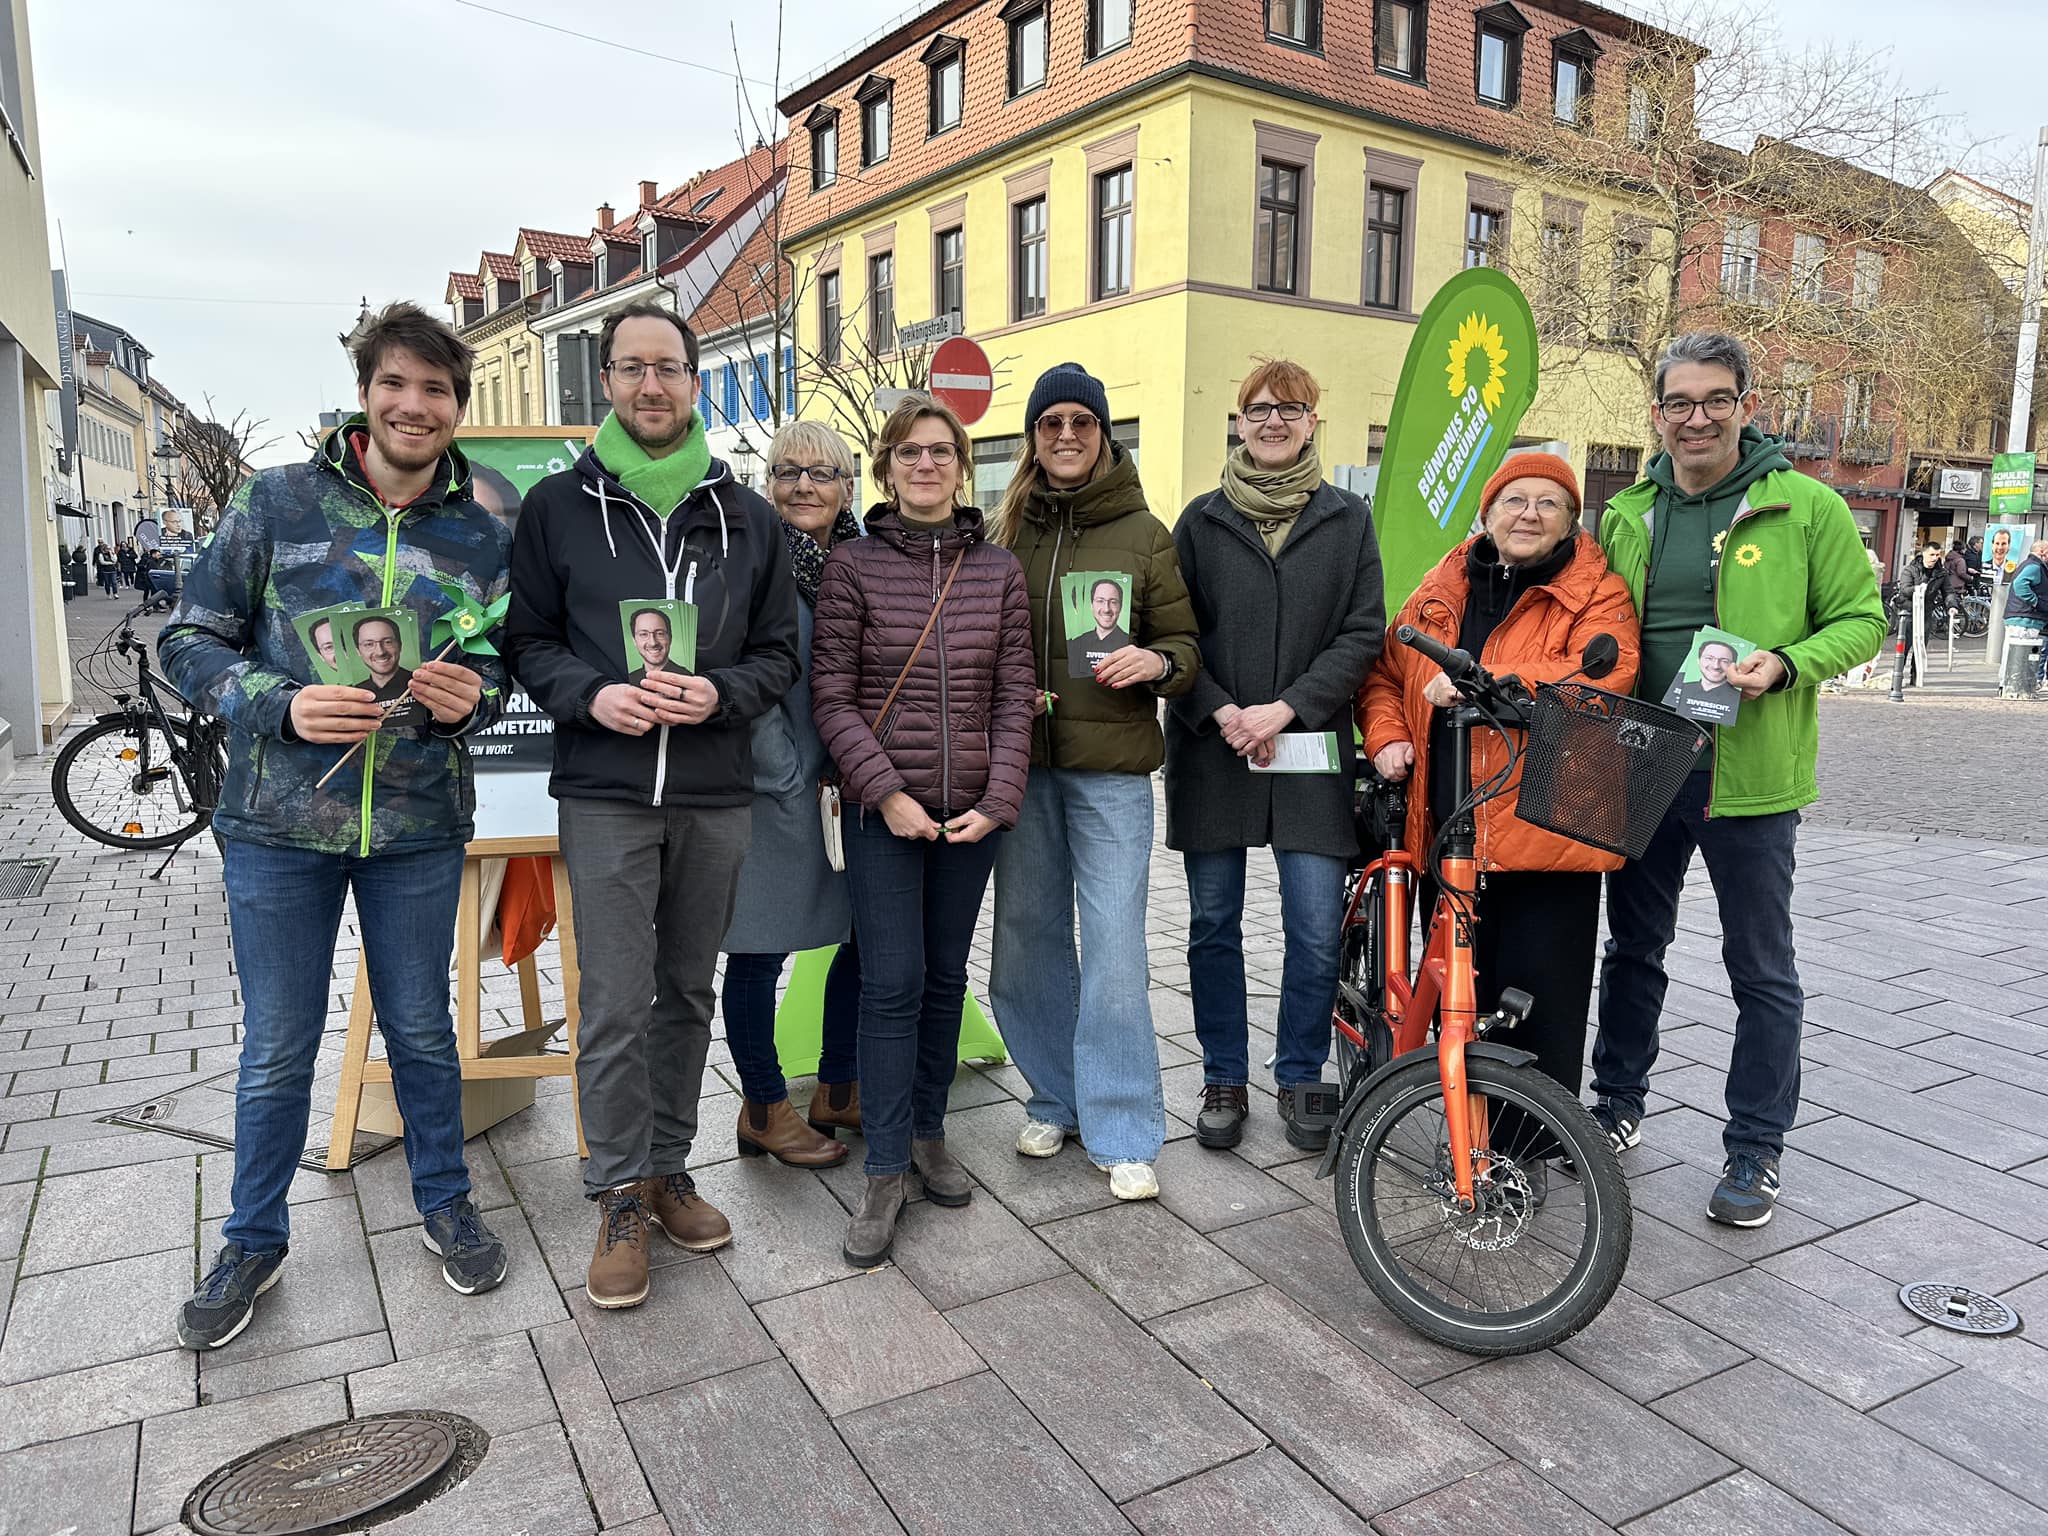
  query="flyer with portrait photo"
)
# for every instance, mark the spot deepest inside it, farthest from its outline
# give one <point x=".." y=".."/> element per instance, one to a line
<point x="1701" y="690"/>
<point x="1096" y="605"/>
<point x="380" y="650"/>
<point x="324" y="634"/>
<point x="660" y="636"/>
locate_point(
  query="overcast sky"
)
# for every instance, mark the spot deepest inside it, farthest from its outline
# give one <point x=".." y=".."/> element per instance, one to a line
<point x="234" y="177"/>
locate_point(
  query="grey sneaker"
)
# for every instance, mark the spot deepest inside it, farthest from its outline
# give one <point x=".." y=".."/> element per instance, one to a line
<point x="226" y="1298"/>
<point x="472" y="1258"/>
<point x="1748" y="1191"/>
<point x="1624" y="1127"/>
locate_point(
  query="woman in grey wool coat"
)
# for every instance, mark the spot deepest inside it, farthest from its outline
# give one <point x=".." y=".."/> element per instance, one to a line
<point x="1284" y="572"/>
<point x="790" y="898"/>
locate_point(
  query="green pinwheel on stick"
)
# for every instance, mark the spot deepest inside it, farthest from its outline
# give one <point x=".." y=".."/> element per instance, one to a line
<point x="466" y="626"/>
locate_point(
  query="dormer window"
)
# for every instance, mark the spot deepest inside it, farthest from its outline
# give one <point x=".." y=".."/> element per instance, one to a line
<point x="824" y="126"/>
<point x="1571" y="77"/>
<point x="561" y="289"/>
<point x="877" y="118"/>
<point x="603" y="274"/>
<point x="1497" y="54"/>
<point x="650" y="244"/>
<point x="945" y="60"/>
<point x="1028" y="44"/>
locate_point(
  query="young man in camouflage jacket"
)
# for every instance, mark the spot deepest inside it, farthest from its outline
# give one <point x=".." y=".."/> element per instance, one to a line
<point x="381" y="513"/>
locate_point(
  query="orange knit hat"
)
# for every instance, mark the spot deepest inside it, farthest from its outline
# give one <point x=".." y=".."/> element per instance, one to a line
<point x="1542" y="466"/>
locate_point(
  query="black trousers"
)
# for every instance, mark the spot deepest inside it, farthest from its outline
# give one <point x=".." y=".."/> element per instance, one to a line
<point x="1538" y="930"/>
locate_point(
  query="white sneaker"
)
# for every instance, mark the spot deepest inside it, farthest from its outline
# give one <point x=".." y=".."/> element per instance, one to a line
<point x="1038" y="1139"/>
<point x="1133" y="1181"/>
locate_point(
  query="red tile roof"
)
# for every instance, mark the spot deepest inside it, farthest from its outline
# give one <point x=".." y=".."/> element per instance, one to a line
<point x="500" y="265"/>
<point x="732" y="181"/>
<point x="465" y="285"/>
<point x="550" y="245"/>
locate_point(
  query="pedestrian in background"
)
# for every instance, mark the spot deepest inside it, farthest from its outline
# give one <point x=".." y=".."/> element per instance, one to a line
<point x="1080" y="1030"/>
<point x="388" y="492"/>
<point x="126" y="555"/>
<point x="1722" y="531"/>
<point x="106" y="569"/>
<point x="1523" y="597"/>
<point x="1284" y="572"/>
<point x="2026" y="606"/>
<point x="921" y="683"/>
<point x="653" y="779"/>
<point x="790" y="897"/>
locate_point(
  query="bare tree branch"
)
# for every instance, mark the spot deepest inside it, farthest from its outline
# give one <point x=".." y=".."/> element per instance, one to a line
<point x="214" y="455"/>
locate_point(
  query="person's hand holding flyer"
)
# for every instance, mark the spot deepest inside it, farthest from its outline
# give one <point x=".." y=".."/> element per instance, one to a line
<point x="1708" y="686"/>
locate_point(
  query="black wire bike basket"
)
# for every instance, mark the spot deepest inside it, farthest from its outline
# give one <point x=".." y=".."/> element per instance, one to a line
<point x="1602" y="768"/>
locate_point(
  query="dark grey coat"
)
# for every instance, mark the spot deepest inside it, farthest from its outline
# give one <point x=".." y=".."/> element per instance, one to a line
<point x="1304" y="628"/>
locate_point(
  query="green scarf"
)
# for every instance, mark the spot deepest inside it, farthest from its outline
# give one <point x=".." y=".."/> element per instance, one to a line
<point x="1271" y="498"/>
<point x="661" y="483"/>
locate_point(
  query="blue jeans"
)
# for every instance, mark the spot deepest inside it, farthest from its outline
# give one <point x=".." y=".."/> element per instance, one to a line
<point x="1749" y="859"/>
<point x="284" y="912"/>
<point x="1081" y="1032"/>
<point x="914" y="909"/>
<point x="749" y="1005"/>
<point x="1311" y="917"/>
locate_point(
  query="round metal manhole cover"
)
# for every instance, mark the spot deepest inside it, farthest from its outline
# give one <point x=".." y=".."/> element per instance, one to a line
<point x="1958" y="1307"/>
<point x="330" y="1478"/>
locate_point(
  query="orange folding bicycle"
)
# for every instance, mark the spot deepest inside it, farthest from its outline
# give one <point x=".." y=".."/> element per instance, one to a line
<point x="1444" y="1152"/>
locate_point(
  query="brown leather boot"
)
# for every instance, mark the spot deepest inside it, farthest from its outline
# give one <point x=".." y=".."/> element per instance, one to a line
<point x="872" y="1232"/>
<point x="778" y="1131"/>
<point x="686" y="1217"/>
<point x="618" y="1269"/>
<point x="835" y="1107"/>
<point x="945" y="1181"/>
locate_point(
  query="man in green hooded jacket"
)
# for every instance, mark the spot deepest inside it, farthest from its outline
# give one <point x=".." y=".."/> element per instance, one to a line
<point x="1724" y="532"/>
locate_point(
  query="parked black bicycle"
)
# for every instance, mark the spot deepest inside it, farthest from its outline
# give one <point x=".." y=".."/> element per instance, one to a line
<point x="146" y="774"/>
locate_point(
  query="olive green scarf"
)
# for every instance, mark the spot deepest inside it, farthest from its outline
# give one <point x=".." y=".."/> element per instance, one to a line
<point x="1271" y="498"/>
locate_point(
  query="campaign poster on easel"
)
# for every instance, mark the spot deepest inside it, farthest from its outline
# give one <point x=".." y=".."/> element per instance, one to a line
<point x="513" y="757"/>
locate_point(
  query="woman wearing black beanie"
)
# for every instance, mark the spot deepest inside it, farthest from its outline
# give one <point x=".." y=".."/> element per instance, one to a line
<point x="1098" y="567"/>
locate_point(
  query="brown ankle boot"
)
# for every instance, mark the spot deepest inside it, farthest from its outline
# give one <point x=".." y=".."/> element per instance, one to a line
<point x="945" y="1181"/>
<point x="686" y="1217"/>
<point x="835" y="1107"/>
<point x="778" y="1131"/>
<point x="618" y="1269"/>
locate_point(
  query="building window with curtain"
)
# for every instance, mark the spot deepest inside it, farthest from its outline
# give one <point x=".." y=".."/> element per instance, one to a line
<point x="951" y="258"/>
<point x="1399" y="30"/>
<point x="882" y="301"/>
<point x="1114" y="233"/>
<point x="1482" y="236"/>
<point x="1028" y="222"/>
<point x="828" y="317"/>
<point x="1386" y="210"/>
<point x="877" y="110"/>
<point x="1299" y="22"/>
<point x="1275" y="255"/>
<point x="1028" y="35"/>
<point x="1109" y="26"/>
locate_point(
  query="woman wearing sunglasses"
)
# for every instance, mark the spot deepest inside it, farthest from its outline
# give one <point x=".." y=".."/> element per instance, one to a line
<point x="1284" y="571"/>
<point x="790" y="898"/>
<point x="1081" y="1031"/>
<point x="921" y="684"/>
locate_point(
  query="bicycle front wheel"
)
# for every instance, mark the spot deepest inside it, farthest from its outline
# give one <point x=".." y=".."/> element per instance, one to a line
<point x="119" y="783"/>
<point x="1528" y="1266"/>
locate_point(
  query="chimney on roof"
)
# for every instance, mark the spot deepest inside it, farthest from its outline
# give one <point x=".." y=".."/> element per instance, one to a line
<point x="604" y="215"/>
<point x="648" y="192"/>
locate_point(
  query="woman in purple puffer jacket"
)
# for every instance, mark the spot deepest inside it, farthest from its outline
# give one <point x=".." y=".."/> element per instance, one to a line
<point x="921" y="688"/>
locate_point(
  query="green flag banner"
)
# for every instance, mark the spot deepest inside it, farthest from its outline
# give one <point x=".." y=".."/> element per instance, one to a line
<point x="1469" y="376"/>
<point x="2012" y="487"/>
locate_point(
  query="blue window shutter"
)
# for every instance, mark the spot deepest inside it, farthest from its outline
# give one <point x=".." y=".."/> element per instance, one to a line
<point x="761" y="377"/>
<point x="728" y="386"/>
<point x="707" y="406"/>
<point x="789" y="381"/>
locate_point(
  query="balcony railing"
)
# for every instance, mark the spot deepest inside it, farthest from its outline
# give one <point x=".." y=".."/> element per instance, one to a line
<point x="1806" y="435"/>
<point x="1867" y="442"/>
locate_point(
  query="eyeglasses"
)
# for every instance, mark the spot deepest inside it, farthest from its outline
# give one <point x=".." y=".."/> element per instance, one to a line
<point x="789" y="474"/>
<point x="907" y="454"/>
<point x="1678" y="411"/>
<point x="1515" y="506"/>
<point x="1286" y="410"/>
<point x="1081" y="423"/>
<point x="631" y="370"/>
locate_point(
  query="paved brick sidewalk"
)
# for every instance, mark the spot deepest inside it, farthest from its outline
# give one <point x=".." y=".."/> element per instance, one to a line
<point x="1046" y="1360"/>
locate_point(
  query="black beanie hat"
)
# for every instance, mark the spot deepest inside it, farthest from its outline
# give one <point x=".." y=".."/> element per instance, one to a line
<point x="1067" y="383"/>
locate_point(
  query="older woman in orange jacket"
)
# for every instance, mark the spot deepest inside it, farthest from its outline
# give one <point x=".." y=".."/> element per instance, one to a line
<point x="1524" y="597"/>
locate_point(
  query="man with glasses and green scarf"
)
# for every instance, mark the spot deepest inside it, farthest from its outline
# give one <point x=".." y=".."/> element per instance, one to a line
<point x="1722" y="532"/>
<point x="653" y="773"/>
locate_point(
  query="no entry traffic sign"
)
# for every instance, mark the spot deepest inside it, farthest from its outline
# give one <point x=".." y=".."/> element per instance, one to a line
<point x="961" y="378"/>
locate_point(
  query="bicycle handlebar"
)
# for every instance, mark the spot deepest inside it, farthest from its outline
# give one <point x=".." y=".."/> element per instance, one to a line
<point x="1465" y="673"/>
